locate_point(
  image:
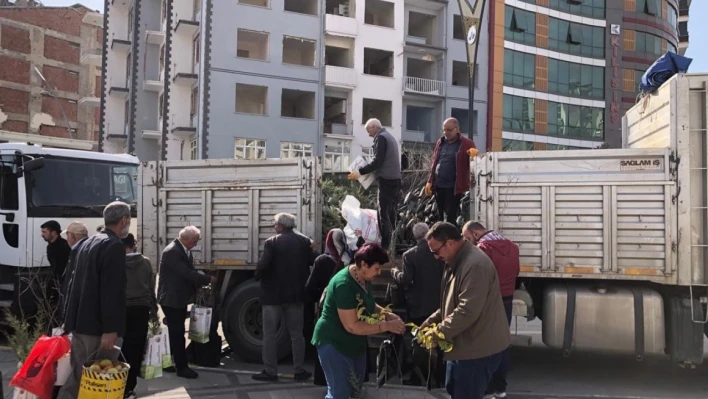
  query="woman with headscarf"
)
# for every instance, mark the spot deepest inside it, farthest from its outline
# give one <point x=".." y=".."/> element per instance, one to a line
<point x="336" y="256"/>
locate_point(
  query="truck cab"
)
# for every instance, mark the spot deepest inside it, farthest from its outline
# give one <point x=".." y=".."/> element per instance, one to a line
<point x="38" y="184"/>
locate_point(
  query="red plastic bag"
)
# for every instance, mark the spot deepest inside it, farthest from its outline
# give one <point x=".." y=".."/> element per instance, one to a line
<point x="36" y="375"/>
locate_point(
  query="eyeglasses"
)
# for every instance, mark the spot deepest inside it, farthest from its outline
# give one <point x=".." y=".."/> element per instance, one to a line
<point x="435" y="252"/>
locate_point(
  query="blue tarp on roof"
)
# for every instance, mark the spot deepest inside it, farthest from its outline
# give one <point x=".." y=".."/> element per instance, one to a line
<point x="662" y="70"/>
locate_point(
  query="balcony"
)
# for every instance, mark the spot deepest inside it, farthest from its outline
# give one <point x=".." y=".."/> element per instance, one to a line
<point x="122" y="4"/>
<point x="187" y="27"/>
<point x="117" y="135"/>
<point x="186" y="79"/>
<point x="121" y="45"/>
<point x="413" y="136"/>
<point x="119" y="91"/>
<point x="93" y="18"/>
<point x="421" y="30"/>
<point x="184" y="131"/>
<point x="339" y="129"/>
<point x="155" y="37"/>
<point x="156" y="86"/>
<point x="423" y="86"/>
<point x="92" y="57"/>
<point x="340" y="76"/>
<point x="340" y="25"/>
<point x="91" y="101"/>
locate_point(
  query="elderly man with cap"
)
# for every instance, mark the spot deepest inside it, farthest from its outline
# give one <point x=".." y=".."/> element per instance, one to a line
<point x="449" y="174"/>
<point x="75" y="232"/>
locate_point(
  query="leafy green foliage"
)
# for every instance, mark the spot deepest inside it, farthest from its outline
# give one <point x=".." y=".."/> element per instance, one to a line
<point x="24" y="332"/>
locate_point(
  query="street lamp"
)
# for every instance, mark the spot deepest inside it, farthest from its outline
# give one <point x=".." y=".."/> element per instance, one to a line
<point x="471" y="12"/>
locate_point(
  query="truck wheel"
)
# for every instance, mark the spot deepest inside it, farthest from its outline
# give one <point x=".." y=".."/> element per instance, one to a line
<point x="243" y="324"/>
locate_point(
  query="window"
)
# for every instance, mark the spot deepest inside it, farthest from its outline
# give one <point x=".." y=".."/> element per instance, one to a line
<point x="160" y="102"/>
<point x="251" y="99"/>
<point x="193" y="148"/>
<point x="9" y="188"/>
<point x="638" y="80"/>
<point x="518" y="114"/>
<point x="194" y="103"/>
<point x="249" y="149"/>
<point x="297" y="104"/>
<point x="257" y="3"/>
<point x="252" y="45"/>
<point x="575" y="121"/>
<point x="196" y="50"/>
<point x="516" y="145"/>
<point x="585" y="8"/>
<point x="367" y="153"/>
<point x="379" y="109"/>
<point x="298" y="51"/>
<point x="520" y="26"/>
<point x="295" y="150"/>
<point x="378" y="62"/>
<point x="577" y="39"/>
<point x="671" y="47"/>
<point x="163" y="11"/>
<point x="130" y="22"/>
<point x="458" y="29"/>
<point x="462" y="116"/>
<point x="162" y="62"/>
<point x="128" y="69"/>
<point x="336" y="155"/>
<point x="519" y="69"/>
<point x="379" y="13"/>
<point x="550" y="146"/>
<point x="650" y="44"/>
<point x="672" y="16"/>
<point x="308" y="7"/>
<point x="578" y="80"/>
<point x="460" y="74"/>
<point x="650" y="7"/>
<point x="197" y="6"/>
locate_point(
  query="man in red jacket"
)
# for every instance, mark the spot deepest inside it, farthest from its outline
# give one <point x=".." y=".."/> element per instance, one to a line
<point x="504" y="253"/>
<point x="450" y="170"/>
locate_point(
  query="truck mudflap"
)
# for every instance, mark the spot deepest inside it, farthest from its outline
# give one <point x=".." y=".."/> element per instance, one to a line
<point x="632" y="319"/>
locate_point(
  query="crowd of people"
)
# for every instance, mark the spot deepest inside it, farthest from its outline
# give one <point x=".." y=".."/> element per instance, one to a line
<point x="460" y="280"/>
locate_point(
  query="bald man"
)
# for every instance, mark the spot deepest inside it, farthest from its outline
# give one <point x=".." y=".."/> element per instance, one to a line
<point x="450" y="170"/>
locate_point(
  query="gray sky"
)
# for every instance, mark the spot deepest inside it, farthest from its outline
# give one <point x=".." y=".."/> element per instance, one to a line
<point x="92" y="4"/>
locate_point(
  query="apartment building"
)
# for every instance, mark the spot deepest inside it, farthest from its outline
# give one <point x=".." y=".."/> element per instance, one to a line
<point x="50" y="75"/>
<point x="683" y="25"/>
<point x="565" y="71"/>
<point x="291" y="78"/>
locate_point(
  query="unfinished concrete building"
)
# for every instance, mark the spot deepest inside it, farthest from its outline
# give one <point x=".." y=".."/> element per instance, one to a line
<point x="50" y="75"/>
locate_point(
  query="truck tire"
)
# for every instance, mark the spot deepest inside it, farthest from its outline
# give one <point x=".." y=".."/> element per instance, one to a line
<point x="243" y="324"/>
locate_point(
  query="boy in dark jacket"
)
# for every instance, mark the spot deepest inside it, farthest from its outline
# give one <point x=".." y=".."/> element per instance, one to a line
<point x="140" y="302"/>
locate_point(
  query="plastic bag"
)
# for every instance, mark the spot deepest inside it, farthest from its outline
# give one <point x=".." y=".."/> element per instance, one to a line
<point x="357" y="218"/>
<point x="151" y="367"/>
<point x="37" y="374"/>
<point x="200" y="324"/>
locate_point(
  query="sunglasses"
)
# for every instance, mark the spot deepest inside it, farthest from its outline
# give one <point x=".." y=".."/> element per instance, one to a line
<point x="435" y="252"/>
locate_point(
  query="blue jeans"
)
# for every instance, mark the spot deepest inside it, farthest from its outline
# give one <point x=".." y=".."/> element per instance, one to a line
<point x="468" y="379"/>
<point x="339" y="370"/>
<point x="498" y="381"/>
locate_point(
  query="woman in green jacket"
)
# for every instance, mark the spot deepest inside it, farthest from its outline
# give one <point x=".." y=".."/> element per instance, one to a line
<point x="340" y="333"/>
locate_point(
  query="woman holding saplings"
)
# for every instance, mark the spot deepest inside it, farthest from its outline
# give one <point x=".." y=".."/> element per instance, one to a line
<point x="349" y="314"/>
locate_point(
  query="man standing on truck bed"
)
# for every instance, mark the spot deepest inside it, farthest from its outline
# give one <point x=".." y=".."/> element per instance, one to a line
<point x="283" y="272"/>
<point x="471" y="313"/>
<point x="504" y="253"/>
<point x="95" y="302"/>
<point x="387" y="168"/>
<point x="450" y="170"/>
<point x="177" y="289"/>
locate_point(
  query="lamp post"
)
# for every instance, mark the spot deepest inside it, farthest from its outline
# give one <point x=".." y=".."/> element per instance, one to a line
<point x="471" y="12"/>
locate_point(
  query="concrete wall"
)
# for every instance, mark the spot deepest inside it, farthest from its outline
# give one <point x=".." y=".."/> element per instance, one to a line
<point x="50" y="40"/>
<point x="226" y="70"/>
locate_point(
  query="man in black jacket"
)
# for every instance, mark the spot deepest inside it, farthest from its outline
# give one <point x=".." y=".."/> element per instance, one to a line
<point x="177" y="288"/>
<point x="95" y="300"/>
<point x="422" y="276"/>
<point x="58" y="250"/>
<point x="283" y="271"/>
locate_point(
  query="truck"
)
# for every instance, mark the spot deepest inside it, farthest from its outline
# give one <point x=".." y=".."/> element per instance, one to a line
<point x="612" y="241"/>
<point x="40" y="183"/>
<point x="233" y="203"/>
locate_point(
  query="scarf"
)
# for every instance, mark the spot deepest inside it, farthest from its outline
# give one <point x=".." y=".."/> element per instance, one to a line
<point x="337" y="248"/>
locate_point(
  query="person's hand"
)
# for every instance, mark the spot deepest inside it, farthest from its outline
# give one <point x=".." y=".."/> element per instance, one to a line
<point x="426" y="323"/>
<point x="354" y="175"/>
<point x="472" y="152"/>
<point x="394" y="326"/>
<point x="358" y="232"/>
<point x="314" y="245"/>
<point x="428" y="189"/>
<point x="390" y="316"/>
<point x="213" y="280"/>
<point x="431" y="334"/>
<point x="108" y="340"/>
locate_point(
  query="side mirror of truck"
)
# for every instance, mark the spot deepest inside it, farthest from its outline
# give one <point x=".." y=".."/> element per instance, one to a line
<point x="33" y="164"/>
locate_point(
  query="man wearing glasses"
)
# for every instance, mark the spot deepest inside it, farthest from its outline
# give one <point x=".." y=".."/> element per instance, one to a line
<point x="471" y="315"/>
<point x="450" y="170"/>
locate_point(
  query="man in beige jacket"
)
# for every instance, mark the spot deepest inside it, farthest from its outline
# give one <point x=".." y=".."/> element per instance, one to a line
<point x="471" y="313"/>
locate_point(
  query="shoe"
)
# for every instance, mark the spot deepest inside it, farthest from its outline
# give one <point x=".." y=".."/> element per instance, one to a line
<point x="500" y="395"/>
<point x="488" y="396"/>
<point x="129" y="395"/>
<point x="263" y="376"/>
<point x="303" y="375"/>
<point x="187" y="373"/>
<point x="170" y="369"/>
